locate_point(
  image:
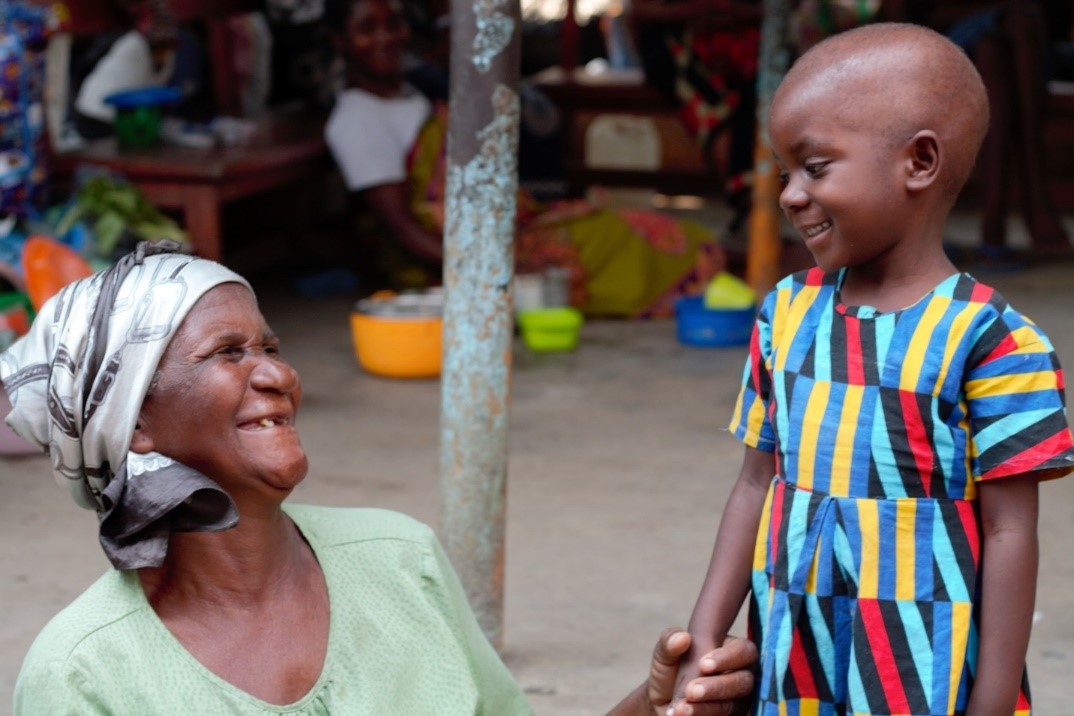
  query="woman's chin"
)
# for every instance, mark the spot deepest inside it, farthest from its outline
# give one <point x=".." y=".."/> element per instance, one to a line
<point x="290" y="477"/>
<point x="281" y="479"/>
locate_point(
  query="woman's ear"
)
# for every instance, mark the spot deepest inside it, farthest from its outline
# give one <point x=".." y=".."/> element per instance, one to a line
<point x="141" y="441"/>
<point x="922" y="160"/>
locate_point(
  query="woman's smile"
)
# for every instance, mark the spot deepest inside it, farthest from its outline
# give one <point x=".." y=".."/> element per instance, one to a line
<point x="260" y="424"/>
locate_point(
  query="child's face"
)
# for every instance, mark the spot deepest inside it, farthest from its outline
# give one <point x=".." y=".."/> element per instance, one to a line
<point x="375" y="38"/>
<point x="841" y="179"/>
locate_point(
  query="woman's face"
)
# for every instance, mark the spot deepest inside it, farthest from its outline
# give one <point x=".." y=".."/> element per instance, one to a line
<point x="375" y="38"/>
<point x="223" y="401"/>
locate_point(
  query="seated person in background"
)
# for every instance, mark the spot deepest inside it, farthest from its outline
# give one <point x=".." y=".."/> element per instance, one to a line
<point x="1007" y="41"/>
<point x="704" y="54"/>
<point x="138" y="57"/>
<point x="390" y="144"/>
<point x="180" y="433"/>
<point x="153" y="50"/>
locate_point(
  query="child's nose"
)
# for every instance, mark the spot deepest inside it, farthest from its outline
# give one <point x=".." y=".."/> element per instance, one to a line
<point x="792" y="197"/>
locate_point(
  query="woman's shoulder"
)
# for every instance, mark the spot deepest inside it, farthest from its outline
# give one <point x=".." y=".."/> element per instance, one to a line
<point x="102" y="609"/>
<point x="334" y="526"/>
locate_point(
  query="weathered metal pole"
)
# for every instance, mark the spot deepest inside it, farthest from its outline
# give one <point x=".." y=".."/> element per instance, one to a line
<point x="763" y="253"/>
<point x="482" y="182"/>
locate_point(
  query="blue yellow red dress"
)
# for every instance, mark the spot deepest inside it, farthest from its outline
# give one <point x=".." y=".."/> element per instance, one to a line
<point x="866" y="569"/>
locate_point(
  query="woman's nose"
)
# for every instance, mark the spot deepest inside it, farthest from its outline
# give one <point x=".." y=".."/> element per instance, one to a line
<point x="274" y="373"/>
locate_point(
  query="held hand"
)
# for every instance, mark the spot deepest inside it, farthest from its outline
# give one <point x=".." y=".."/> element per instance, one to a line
<point x="725" y="677"/>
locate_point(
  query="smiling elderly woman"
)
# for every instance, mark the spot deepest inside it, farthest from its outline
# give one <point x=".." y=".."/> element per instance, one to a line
<point x="159" y="392"/>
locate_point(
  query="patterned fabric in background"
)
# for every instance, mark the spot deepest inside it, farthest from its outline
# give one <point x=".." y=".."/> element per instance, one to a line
<point x="866" y="568"/>
<point x="24" y="30"/>
<point x="715" y="74"/>
<point x="711" y="73"/>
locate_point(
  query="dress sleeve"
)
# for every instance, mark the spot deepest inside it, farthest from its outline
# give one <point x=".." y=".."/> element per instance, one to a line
<point x="749" y="421"/>
<point x="52" y="688"/>
<point x="1014" y="391"/>
<point x="499" y="693"/>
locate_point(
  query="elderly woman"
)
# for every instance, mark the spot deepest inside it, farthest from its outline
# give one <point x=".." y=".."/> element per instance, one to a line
<point x="159" y="392"/>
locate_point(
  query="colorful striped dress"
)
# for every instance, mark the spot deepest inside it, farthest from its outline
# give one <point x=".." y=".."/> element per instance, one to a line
<point x="866" y="567"/>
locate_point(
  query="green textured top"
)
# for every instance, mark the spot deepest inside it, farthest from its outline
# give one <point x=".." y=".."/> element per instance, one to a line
<point x="402" y="639"/>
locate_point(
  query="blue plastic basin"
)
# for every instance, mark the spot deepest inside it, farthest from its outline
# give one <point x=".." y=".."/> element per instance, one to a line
<point x="700" y="326"/>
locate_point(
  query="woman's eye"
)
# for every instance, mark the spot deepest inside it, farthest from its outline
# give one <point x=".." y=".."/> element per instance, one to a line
<point x="271" y="350"/>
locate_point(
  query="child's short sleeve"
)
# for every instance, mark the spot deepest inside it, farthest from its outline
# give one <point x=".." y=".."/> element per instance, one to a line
<point x="750" y="422"/>
<point x="1014" y="389"/>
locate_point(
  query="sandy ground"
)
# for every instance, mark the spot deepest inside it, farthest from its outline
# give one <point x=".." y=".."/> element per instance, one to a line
<point x="619" y="468"/>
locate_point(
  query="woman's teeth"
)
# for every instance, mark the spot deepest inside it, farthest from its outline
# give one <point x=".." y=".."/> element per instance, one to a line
<point x="819" y="228"/>
<point x="267" y="422"/>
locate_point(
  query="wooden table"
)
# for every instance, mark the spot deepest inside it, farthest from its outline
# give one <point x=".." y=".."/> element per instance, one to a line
<point x="198" y="182"/>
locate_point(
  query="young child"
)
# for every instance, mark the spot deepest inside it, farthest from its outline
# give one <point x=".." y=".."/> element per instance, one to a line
<point x="905" y="410"/>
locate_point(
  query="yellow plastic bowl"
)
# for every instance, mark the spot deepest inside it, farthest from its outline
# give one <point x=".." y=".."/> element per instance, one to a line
<point x="546" y="330"/>
<point x="398" y="346"/>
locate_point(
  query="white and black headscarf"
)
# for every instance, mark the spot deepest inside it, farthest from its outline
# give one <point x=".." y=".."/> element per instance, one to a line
<point x="76" y="383"/>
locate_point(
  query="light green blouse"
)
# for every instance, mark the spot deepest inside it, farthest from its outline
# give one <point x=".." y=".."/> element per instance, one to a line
<point x="402" y="639"/>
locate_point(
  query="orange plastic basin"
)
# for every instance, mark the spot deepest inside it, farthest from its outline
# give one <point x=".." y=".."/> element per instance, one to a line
<point x="398" y="346"/>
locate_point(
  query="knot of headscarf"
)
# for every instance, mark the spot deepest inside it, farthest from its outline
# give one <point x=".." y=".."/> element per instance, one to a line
<point x="76" y="383"/>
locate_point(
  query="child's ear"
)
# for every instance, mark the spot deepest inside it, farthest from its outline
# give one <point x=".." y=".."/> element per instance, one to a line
<point x="922" y="160"/>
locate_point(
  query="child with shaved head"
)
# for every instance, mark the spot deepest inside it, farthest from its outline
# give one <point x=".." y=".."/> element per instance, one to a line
<point x="897" y="414"/>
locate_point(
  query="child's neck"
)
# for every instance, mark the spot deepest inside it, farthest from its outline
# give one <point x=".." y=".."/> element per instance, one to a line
<point x="891" y="285"/>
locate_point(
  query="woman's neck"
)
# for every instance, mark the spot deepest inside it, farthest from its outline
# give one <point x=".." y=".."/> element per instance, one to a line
<point x="239" y="566"/>
<point x="386" y="87"/>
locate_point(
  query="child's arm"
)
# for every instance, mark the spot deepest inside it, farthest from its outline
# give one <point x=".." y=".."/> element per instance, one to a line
<point x="728" y="578"/>
<point x="1009" y="572"/>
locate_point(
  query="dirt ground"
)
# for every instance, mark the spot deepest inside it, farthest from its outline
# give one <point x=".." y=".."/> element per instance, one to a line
<point x="619" y="467"/>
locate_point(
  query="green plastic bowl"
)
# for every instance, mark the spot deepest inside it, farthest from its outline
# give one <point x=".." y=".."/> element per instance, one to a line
<point x="549" y="330"/>
<point x="138" y="114"/>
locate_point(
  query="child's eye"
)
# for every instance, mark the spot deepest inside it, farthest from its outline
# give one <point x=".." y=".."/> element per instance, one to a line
<point x="784" y="178"/>
<point x="814" y="169"/>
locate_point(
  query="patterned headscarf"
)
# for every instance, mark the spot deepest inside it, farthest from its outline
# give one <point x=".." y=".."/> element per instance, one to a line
<point x="76" y="383"/>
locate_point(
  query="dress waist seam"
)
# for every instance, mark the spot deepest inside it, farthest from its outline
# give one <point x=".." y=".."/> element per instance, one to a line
<point x="876" y="498"/>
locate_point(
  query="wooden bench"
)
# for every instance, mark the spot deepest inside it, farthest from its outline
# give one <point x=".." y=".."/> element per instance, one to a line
<point x="283" y="149"/>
